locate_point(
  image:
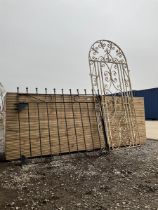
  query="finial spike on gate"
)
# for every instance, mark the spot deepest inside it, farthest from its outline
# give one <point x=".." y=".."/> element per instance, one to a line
<point x="85" y="91"/>
<point x="17" y="89"/>
<point x="62" y="91"/>
<point x="45" y="90"/>
<point x="70" y="91"/>
<point x="78" y="92"/>
<point x="27" y="89"/>
<point x="98" y="92"/>
<point x="36" y="90"/>
<point x="54" y="91"/>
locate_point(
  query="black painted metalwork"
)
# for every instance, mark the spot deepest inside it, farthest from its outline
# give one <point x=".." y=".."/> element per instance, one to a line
<point x="89" y="119"/>
<point x="21" y="106"/>
<point x="98" y="129"/>
<point x="74" y="119"/>
<point x="67" y="133"/>
<point x="48" y="120"/>
<point x="28" y="112"/>
<point x="39" y="127"/>
<point x="103" y="126"/>
<point x="57" y="121"/>
<point x="81" y="120"/>
<point x="56" y="103"/>
<point x="19" y="125"/>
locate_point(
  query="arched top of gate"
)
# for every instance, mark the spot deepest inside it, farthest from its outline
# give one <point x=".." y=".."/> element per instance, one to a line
<point x="107" y="52"/>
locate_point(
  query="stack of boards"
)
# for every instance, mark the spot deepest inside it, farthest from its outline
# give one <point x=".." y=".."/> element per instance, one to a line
<point x="47" y="124"/>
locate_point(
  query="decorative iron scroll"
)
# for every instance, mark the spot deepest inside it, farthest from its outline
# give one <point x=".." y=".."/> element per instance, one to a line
<point x="110" y="77"/>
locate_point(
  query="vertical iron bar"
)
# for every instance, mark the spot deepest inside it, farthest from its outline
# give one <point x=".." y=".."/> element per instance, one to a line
<point x="126" y="105"/>
<point x="39" y="125"/>
<point x="48" y="121"/>
<point x="57" y="121"/>
<point x="74" y="120"/>
<point x="103" y="123"/>
<point x="94" y="103"/>
<point x="82" y="121"/>
<point x="132" y="115"/>
<point x="104" y="105"/>
<point x="17" y="89"/>
<point x="65" y="120"/>
<point x="89" y="119"/>
<point x="123" y="100"/>
<point x="19" y="126"/>
<point x="28" y="114"/>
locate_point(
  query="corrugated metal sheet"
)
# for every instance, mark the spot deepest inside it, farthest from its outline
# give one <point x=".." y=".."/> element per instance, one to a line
<point x="150" y="101"/>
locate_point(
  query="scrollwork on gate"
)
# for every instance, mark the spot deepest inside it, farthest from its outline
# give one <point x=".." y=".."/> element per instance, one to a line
<point x="110" y="76"/>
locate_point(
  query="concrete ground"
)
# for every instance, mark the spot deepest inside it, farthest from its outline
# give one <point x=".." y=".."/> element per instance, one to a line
<point x="152" y="130"/>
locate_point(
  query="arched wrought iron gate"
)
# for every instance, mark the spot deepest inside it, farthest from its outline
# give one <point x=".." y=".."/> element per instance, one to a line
<point x="110" y="77"/>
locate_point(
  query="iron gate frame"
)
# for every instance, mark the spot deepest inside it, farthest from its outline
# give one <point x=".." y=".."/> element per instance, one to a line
<point x="114" y="82"/>
<point x="20" y="106"/>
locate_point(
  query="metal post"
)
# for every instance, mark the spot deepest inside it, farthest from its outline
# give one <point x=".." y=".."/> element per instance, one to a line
<point x="82" y="121"/>
<point x="19" y="126"/>
<point x="74" y="120"/>
<point x="65" y="120"/>
<point x="89" y="119"/>
<point x="28" y="114"/>
<point x="48" y="121"/>
<point x="103" y="123"/>
<point x="39" y="126"/>
<point x="94" y="102"/>
<point x="57" y="121"/>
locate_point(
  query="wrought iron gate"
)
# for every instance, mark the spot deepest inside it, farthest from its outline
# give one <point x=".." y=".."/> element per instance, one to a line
<point x="110" y="77"/>
<point x="55" y="124"/>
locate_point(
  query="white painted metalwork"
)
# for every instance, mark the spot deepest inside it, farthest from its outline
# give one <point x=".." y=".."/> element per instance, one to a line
<point x="110" y="77"/>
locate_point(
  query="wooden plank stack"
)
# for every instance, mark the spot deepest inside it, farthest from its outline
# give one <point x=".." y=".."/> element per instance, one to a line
<point x="52" y="124"/>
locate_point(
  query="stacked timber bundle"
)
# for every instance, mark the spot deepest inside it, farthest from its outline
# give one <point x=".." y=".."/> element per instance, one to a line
<point x="53" y="124"/>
